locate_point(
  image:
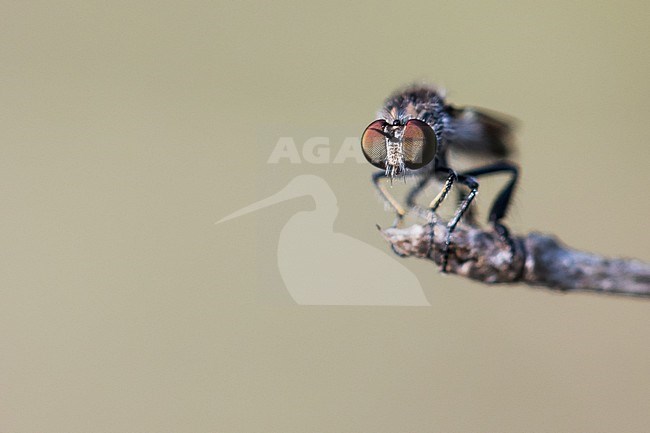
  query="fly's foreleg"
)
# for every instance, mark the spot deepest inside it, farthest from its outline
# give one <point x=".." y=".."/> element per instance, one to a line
<point x="387" y="196"/>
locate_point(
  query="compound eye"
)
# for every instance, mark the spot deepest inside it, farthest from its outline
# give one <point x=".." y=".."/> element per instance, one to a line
<point x="373" y="143"/>
<point x="419" y="144"/>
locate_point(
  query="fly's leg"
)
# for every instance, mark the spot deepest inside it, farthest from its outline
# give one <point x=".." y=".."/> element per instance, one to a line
<point x="470" y="214"/>
<point x="503" y="199"/>
<point x="389" y="200"/>
<point x="451" y="178"/>
<point x="472" y="184"/>
<point x="430" y="214"/>
<point x="410" y="200"/>
<point x="418" y="189"/>
<point x="387" y="197"/>
<point x="435" y="203"/>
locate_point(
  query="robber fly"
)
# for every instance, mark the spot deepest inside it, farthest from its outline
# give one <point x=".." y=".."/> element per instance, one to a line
<point x="412" y="136"/>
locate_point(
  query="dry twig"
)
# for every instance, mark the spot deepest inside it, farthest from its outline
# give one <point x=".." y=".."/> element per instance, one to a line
<point x="538" y="260"/>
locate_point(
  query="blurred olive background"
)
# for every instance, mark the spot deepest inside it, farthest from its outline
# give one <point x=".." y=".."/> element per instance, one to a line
<point x="128" y="128"/>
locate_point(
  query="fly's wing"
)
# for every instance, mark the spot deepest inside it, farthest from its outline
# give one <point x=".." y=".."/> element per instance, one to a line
<point x="480" y="132"/>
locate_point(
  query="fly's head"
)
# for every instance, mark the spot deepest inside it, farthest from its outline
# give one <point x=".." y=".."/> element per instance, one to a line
<point x="399" y="146"/>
